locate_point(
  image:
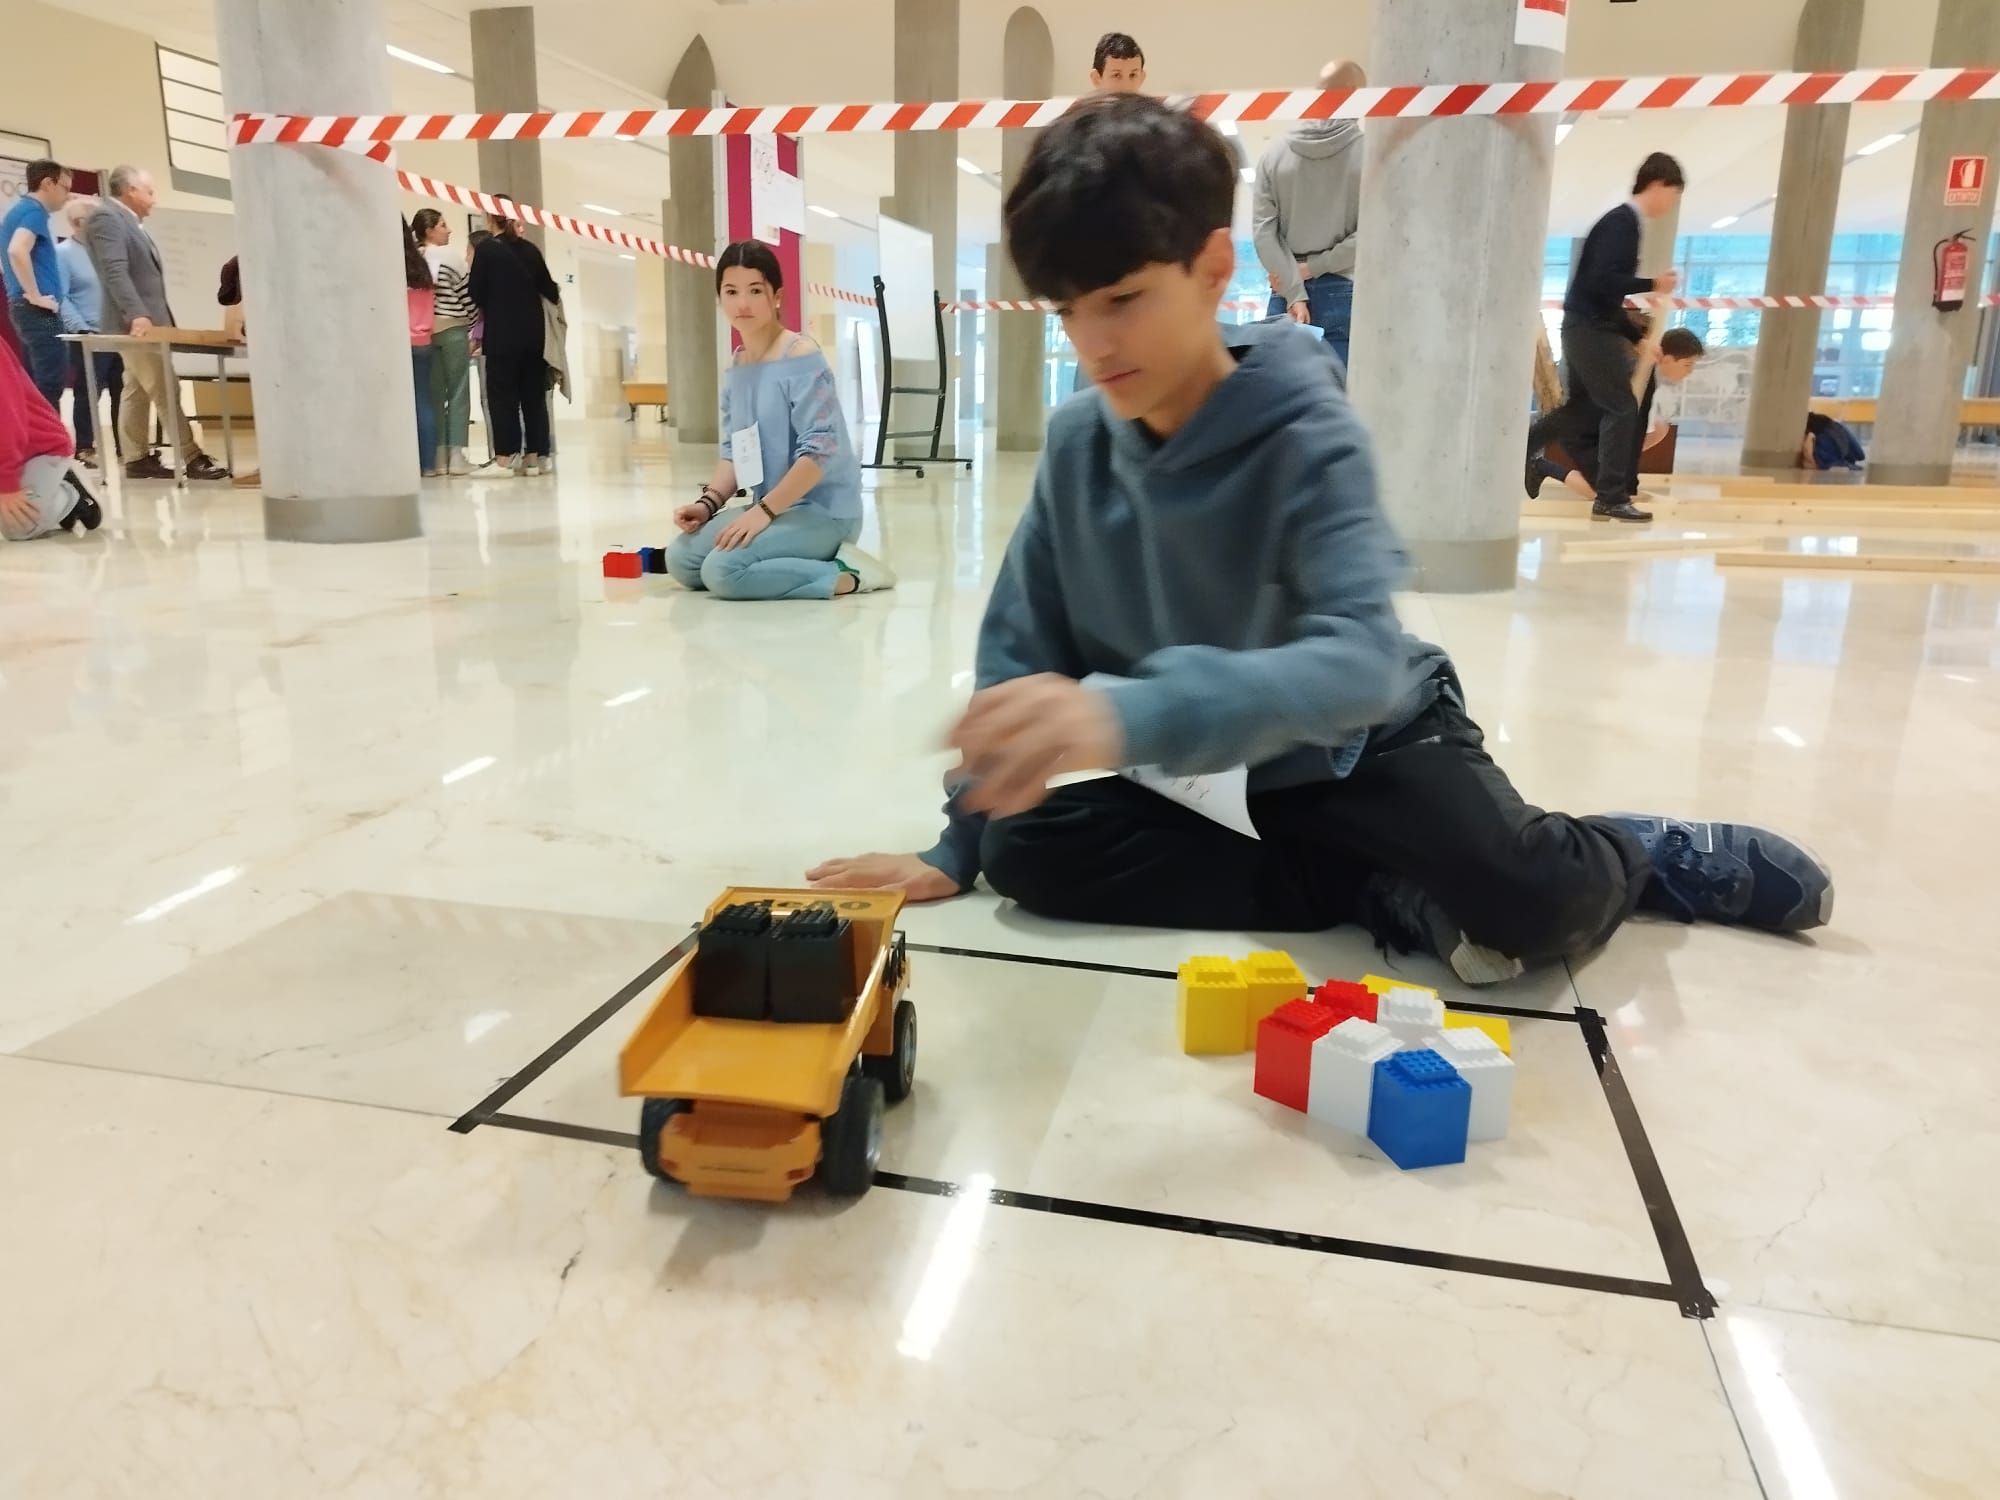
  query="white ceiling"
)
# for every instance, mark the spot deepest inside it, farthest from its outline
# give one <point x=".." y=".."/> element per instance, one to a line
<point x="778" y="51"/>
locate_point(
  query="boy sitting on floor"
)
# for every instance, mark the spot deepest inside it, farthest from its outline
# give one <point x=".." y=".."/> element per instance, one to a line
<point x="1680" y="351"/>
<point x="1201" y="582"/>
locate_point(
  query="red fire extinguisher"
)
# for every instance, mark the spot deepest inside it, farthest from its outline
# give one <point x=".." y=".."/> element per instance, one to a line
<point x="1951" y="262"/>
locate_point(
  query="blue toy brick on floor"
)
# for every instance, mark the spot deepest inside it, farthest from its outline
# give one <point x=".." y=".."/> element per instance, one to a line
<point x="653" y="559"/>
<point x="1419" y="1110"/>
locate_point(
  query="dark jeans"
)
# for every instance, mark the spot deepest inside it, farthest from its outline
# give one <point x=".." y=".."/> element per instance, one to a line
<point x="1426" y="803"/>
<point x="1330" y="299"/>
<point x="517" y="390"/>
<point x="42" y="349"/>
<point x="1582" y="446"/>
<point x="1598" y="364"/>
<point x="110" y="377"/>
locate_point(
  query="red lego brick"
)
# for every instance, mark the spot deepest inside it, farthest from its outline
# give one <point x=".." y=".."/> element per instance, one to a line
<point x="1346" y="999"/>
<point x="623" y="565"/>
<point x="1284" y="1050"/>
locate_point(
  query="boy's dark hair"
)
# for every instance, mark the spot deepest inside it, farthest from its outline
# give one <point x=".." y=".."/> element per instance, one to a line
<point x="751" y="255"/>
<point x="43" y="171"/>
<point x="1121" y="181"/>
<point x="1116" y="44"/>
<point x="1682" y="343"/>
<point x="1659" y="167"/>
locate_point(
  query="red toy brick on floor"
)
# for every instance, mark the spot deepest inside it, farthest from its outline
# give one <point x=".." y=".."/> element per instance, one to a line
<point x="1284" y="1050"/>
<point x="623" y="565"/>
<point x="1345" y="998"/>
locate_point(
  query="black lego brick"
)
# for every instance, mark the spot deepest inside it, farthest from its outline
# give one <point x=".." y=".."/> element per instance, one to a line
<point x="812" y="968"/>
<point x="731" y="964"/>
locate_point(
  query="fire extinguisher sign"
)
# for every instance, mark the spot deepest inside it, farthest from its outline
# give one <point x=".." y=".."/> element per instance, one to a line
<point x="1965" y="182"/>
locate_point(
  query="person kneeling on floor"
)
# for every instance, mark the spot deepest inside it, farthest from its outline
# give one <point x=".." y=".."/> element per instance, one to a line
<point x="1201" y="583"/>
<point x="785" y="441"/>
<point x="40" y="488"/>
<point x="1678" y="352"/>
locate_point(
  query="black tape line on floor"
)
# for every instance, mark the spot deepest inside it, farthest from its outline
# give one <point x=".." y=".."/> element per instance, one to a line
<point x="1695" y="1299"/>
<point x="482" y="1112"/>
<point x="1047" y="962"/>
<point x="1143" y="1218"/>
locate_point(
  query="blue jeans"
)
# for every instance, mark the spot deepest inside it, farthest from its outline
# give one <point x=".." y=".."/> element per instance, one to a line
<point x="792" y="558"/>
<point x="427" y="413"/>
<point x="1330" y="299"/>
<point x="42" y="348"/>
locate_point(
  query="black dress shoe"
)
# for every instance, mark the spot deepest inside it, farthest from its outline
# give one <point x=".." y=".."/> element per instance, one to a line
<point x="1533" y="478"/>
<point x="1624" y="510"/>
<point x="201" y="466"/>
<point x="148" y="467"/>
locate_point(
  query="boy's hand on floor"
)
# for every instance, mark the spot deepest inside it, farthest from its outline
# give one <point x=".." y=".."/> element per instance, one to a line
<point x="884" y="872"/>
<point x="1014" y="737"/>
<point x="18" y="511"/>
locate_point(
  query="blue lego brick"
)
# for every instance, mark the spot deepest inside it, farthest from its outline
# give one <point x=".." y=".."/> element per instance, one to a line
<point x="1419" y="1110"/>
<point x="653" y="559"/>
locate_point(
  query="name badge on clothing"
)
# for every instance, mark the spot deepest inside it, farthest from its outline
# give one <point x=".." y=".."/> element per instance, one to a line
<point x="747" y="454"/>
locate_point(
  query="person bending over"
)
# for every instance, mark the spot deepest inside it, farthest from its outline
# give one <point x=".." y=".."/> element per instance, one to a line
<point x="1679" y="351"/>
<point x="783" y="440"/>
<point x="40" y="488"/>
<point x="1201" y="582"/>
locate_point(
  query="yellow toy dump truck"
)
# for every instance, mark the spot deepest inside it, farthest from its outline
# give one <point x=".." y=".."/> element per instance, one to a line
<point x="774" y="1046"/>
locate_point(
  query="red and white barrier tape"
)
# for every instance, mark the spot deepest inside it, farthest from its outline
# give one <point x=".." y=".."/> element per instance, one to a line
<point x="1563" y="96"/>
<point x="839" y="294"/>
<point x="1747" y="304"/>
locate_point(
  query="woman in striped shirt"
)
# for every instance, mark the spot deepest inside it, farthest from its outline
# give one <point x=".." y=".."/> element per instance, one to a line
<point x="451" y="359"/>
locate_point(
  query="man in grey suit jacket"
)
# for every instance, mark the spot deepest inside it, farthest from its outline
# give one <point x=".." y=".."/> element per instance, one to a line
<point x="135" y="300"/>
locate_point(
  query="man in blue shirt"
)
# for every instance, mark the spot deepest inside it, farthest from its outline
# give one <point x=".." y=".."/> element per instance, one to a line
<point x="34" y="282"/>
<point x="83" y="312"/>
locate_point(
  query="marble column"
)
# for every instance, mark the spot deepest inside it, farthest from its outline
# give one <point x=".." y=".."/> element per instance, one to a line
<point x="317" y="237"/>
<point x="1916" y="426"/>
<point x="503" y="79"/>
<point x="1809" y="173"/>
<point x="1446" y="291"/>
<point x="689" y="217"/>
<point x="926" y="196"/>
<point x="1028" y="71"/>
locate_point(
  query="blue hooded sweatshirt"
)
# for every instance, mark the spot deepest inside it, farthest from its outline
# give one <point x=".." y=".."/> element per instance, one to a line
<point x="1236" y="577"/>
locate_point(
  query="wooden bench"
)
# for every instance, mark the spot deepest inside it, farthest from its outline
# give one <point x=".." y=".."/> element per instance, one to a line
<point x="640" y="393"/>
<point x="1859" y="411"/>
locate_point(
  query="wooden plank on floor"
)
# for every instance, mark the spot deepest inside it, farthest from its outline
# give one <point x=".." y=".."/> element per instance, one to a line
<point x="1657" y="546"/>
<point x="1937" y="565"/>
<point x="1855" y="494"/>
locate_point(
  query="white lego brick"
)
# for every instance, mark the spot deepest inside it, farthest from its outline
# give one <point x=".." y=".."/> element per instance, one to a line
<point x="1343" y="1073"/>
<point x="1489" y="1071"/>
<point x="1414" y="1016"/>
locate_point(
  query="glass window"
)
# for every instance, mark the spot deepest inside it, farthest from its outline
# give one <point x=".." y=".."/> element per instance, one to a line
<point x="191" y="102"/>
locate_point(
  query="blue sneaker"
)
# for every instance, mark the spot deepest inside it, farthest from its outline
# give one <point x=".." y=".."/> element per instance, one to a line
<point x="1731" y="872"/>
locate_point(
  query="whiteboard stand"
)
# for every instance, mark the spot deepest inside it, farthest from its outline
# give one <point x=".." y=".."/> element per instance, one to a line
<point x="941" y="392"/>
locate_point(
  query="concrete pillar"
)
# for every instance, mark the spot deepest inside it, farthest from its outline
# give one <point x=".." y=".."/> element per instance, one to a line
<point x="503" y="79"/>
<point x="926" y="196"/>
<point x="1809" y="174"/>
<point x="1916" y="428"/>
<point x="689" y="220"/>
<point x="1028" y="67"/>
<point x="1443" y="367"/>
<point x="317" y="235"/>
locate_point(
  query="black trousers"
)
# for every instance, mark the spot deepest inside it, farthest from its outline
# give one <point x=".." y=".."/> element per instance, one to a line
<point x="1427" y="803"/>
<point x="110" y="377"/>
<point x="1582" y="446"/>
<point x="1598" y="363"/>
<point x="517" y="390"/>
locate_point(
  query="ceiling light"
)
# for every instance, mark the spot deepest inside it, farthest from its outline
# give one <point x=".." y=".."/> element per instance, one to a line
<point x="1884" y="144"/>
<point x="974" y="168"/>
<point x="1563" y="130"/>
<point x="630" y="697"/>
<point x="599" y="208"/>
<point x="420" y="61"/>
<point x="824" y="213"/>
<point x="1725" y="221"/>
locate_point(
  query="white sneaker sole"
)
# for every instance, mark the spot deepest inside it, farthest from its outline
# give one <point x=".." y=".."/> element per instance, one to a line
<point x="871" y="574"/>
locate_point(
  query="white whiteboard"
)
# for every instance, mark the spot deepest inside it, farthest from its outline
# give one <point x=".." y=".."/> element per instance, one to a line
<point x="905" y="256"/>
<point x="193" y="246"/>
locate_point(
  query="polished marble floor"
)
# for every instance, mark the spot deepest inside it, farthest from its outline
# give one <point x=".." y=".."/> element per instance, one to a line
<point x="309" y="851"/>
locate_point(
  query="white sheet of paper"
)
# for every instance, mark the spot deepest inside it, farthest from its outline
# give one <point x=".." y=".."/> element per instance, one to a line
<point x="1223" y="797"/>
<point x="747" y="454"/>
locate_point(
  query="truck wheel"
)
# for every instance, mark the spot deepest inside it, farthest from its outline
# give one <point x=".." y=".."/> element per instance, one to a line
<point x="653" y="1117"/>
<point x="898" y="1070"/>
<point x="851" y="1138"/>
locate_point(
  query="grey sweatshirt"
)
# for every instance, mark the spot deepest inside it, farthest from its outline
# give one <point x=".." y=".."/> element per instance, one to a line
<point x="1237" y="575"/>
<point x="1307" y="203"/>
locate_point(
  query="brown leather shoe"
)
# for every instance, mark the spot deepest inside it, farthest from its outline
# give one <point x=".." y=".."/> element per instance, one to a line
<point x="201" y="466"/>
<point x="148" y="467"/>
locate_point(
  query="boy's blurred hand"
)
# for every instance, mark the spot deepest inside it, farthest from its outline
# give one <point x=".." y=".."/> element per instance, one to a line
<point x="884" y="872"/>
<point x="1017" y="735"/>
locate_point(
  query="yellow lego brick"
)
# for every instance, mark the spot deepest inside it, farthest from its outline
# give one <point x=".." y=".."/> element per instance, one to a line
<point x="1375" y="984"/>
<point x="1214" y="1002"/>
<point x="1493" y="1026"/>
<point x="1272" y="979"/>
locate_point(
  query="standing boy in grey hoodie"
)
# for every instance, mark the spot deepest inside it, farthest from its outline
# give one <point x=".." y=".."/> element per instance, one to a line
<point x="1305" y="215"/>
<point x="1201" y="582"/>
